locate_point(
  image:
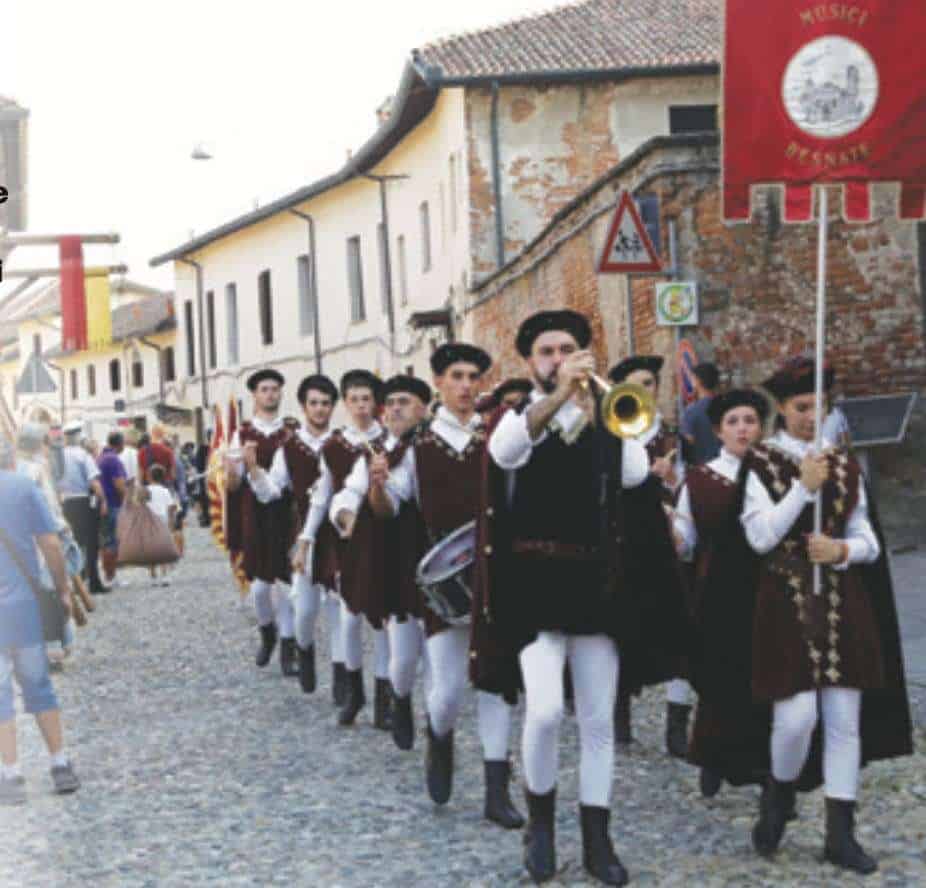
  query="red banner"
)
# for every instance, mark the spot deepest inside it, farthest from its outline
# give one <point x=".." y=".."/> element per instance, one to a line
<point x="73" y="298"/>
<point x="824" y="92"/>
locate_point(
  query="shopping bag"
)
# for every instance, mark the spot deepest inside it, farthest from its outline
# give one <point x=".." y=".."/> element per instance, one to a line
<point x="144" y="540"/>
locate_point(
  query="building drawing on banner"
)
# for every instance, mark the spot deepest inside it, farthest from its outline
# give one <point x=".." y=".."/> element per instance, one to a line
<point x="830" y="87"/>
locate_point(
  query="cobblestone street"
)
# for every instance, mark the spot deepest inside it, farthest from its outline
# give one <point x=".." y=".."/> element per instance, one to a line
<point x="199" y="769"/>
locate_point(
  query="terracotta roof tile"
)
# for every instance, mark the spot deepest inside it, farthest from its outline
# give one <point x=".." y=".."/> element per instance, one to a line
<point x="587" y="35"/>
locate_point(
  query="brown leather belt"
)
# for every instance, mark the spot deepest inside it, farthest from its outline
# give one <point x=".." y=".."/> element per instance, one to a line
<point x="554" y="549"/>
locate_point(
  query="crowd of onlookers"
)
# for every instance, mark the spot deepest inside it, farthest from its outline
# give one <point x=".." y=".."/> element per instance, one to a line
<point x="61" y="497"/>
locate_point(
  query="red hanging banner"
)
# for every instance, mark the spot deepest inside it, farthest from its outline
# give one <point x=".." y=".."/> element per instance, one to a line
<point x="73" y="298"/>
<point x="824" y="92"/>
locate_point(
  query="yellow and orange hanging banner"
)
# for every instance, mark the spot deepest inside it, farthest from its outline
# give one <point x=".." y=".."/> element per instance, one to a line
<point x="99" y="312"/>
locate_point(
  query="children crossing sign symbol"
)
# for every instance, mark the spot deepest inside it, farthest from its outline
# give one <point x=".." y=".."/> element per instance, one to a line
<point x="628" y="247"/>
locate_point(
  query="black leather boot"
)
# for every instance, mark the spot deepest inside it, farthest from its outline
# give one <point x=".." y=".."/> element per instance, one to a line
<point x="439" y="766"/>
<point x="597" y="851"/>
<point x="268" y="641"/>
<point x="307" y="668"/>
<point x="498" y="805"/>
<point x="710" y="782"/>
<point x="540" y="836"/>
<point x="403" y="723"/>
<point x="354" y="700"/>
<point x="622" y="731"/>
<point x="841" y="847"/>
<point x="677" y="729"/>
<point x="338" y="684"/>
<point x="382" y="704"/>
<point x="288" y="657"/>
<point x="775" y="806"/>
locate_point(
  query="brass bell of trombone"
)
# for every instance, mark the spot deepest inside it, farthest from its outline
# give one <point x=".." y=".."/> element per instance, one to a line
<point x="628" y="410"/>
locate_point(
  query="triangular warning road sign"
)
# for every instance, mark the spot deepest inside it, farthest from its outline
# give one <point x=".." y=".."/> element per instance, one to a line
<point x="628" y="247"/>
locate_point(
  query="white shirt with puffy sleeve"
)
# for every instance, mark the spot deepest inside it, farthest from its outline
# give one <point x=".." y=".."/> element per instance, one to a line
<point x="767" y="523"/>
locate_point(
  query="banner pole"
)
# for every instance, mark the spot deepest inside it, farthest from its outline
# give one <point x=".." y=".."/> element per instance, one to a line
<point x="819" y="360"/>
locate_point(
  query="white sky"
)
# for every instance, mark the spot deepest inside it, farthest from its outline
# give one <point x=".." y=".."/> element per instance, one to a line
<point x="119" y="92"/>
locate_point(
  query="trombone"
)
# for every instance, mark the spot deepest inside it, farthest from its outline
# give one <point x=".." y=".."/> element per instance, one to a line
<point x="628" y="410"/>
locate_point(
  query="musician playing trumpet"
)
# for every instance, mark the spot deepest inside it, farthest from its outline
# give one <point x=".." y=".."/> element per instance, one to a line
<point x="551" y="579"/>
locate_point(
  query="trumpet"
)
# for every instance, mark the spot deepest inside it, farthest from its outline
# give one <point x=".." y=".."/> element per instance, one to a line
<point x="628" y="410"/>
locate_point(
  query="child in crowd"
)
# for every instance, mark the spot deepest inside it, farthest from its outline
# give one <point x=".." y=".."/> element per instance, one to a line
<point x="163" y="502"/>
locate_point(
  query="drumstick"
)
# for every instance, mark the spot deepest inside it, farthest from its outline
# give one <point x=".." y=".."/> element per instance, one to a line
<point x="80" y="617"/>
<point x="81" y="591"/>
<point x="671" y="454"/>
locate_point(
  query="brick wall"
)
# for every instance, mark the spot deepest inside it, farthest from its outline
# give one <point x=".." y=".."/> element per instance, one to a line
<point x="757" y="281"/>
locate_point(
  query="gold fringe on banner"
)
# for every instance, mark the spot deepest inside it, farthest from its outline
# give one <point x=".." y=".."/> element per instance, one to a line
<point x="99" y="312"/>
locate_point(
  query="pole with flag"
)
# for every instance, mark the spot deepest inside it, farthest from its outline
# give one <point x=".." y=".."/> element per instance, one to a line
<point x="818" y="95"/>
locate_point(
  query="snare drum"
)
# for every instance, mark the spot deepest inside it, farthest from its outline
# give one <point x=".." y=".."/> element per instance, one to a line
<point x="445" y="573"/>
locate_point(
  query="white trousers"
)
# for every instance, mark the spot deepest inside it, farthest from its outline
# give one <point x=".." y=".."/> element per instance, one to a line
<point x="381" y="654"/>
<point x="352" y="637"/>
<point x="679" y="691"/>
<point x="792" y="729"/>
<point x="307" y="604"/>
<point x="448" y="652"/>
<point x="333" y="618"/>
<point x="268" y="609"/>
<point x="594" y="664"/>
<point x="406" y="644"/>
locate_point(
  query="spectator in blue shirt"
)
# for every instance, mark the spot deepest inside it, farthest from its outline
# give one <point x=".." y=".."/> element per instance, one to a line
<point x="113" y="479"/>
<point x="27" y="528"/>
<point x="696" y="425"/>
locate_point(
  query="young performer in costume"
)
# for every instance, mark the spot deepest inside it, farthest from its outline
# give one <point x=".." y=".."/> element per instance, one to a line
<point x="662" y="444"/>
<point x="832" y="657"/>
<point x="265" y="527"/>
<point x="405" y="407"/>
<point x="709" y="534"/>
<point x="440" y="472"/>
<point x="295" y="467"/>
<point x="554" y="577"/>
<point x="360" y="548"/>
<point x="405" y="402"/>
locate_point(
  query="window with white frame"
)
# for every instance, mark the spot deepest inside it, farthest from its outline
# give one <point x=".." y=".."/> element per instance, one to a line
<point x="231" y="322"/>
<point x="424" y="214"/>
<point x="358" y="310"/>
<point x="403" y="269"/>
<point x="306" y="295"/>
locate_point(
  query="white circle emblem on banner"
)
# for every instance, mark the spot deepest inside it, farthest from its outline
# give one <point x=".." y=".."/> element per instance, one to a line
<point x="830" y="87"/>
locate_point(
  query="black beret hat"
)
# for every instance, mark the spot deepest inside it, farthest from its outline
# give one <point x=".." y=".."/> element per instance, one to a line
<point x="797" y="377"/>
<point x="362" y="379"/>
<point x="256" y="378"/>
<point x="619" y="372"/>
<point x="457" y="352"/>
<point x="726" y="401"/>
<point x="514" y="384"/>
<point x="544" y="321"/>
<point x="317" y="382"/>
<point x="411" y="384"/>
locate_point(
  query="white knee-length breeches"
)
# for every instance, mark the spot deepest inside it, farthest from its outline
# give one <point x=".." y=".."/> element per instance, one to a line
<point x="448" y="652"/>
<point x="268" y="609"/>
<point x="594" y="663"/>
<point x="792" y="729"/>
<point x="406" y="642"/>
